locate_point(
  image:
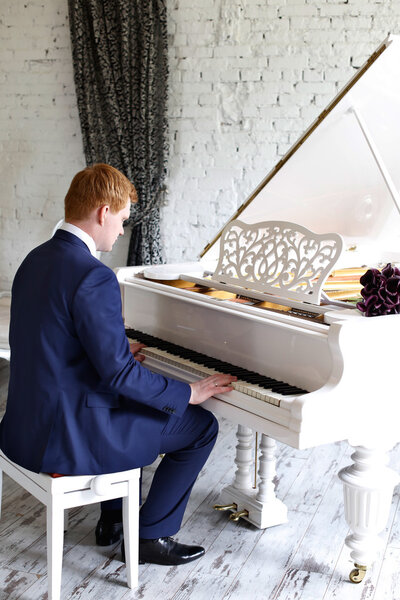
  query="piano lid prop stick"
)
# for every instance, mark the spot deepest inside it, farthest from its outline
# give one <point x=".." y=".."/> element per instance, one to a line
<point x="378" y="159"/>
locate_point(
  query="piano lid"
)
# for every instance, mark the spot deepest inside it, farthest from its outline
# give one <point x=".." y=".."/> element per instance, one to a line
<point x="343" y="174"/>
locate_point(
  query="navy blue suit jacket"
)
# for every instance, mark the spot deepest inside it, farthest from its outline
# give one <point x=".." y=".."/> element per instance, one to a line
<point x="78" y="402"/>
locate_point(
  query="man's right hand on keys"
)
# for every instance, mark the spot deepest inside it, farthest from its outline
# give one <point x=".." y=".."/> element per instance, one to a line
<point x="205" y="388"/>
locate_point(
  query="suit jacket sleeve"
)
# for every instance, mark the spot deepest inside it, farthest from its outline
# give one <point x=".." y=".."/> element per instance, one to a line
<point x="97" y="315"/>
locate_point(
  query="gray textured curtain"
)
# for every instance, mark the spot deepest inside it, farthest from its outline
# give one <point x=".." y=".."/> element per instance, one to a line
<point x="119" y="51"/>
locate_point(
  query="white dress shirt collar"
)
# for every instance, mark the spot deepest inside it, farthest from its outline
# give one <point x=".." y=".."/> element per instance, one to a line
<point x="82" y="235"/>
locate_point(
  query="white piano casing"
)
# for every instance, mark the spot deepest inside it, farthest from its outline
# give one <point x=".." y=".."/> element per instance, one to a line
<point x="342" y="176"/>
<point x="342" y="365"/>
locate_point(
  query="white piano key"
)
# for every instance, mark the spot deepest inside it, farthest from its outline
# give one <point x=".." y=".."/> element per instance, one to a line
<point x="253" y="390"/>
<point x="258" y="392"/>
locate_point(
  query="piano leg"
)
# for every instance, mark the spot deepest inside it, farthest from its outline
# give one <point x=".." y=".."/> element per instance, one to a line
<point x="368" y="489"/>
<point x="260" y="507"/>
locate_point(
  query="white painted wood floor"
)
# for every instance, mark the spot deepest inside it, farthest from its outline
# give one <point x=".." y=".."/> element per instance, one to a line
<point x="303" y="560"/>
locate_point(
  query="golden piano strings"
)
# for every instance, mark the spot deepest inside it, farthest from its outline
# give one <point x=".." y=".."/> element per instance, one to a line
<point x="342" y="284"/>
<point x="225" y="296"/>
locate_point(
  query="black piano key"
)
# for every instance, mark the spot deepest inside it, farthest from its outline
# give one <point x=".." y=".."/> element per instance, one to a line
<point x="277" y="388"/>
<point x="281" y="385"/>
<point x="239" y="373"/>
<point x="271" y="384"/>
<point x="257" y="379"/>
<point x="268" y="380"/>
<point x="227" y="370"/>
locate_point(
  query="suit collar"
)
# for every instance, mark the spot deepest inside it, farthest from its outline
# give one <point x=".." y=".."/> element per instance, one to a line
<point x="81" y="234"/>
<point x="71" y="238"/>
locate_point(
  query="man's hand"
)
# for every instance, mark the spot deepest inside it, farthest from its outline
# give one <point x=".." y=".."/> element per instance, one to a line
<point x="135" y="349"/>
<point x="205" y="388"/>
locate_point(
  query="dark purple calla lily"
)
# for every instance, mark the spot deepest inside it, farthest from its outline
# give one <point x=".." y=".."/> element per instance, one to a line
<point x="389" y="271"/>
<point x="370" y="277"/>
<point x="381" y="292"/>
<point x="393" y="284"/>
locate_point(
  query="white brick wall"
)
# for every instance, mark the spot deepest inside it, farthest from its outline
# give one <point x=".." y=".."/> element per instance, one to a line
<point x="246" y="78"/>
<point x="40" y="141"/>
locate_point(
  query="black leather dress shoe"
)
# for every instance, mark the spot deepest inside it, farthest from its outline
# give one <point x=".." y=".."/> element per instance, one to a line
<point x="165" y="551"/>
<point x="108" y="533"/>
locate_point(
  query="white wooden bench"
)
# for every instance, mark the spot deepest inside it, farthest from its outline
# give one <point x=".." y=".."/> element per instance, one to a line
<point x="60" y="493"/>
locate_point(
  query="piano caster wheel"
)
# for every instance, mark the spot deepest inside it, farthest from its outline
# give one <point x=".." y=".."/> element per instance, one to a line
<point x="236" y="515"/>
<point x="357" y="574"/>
<point x="232" y="506"/>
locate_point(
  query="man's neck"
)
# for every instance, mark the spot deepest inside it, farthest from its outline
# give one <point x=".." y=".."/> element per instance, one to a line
<point x="84" y="225"/>
<point x="77" y="228"/>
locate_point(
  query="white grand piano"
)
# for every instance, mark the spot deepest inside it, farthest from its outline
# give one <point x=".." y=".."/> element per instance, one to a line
<point x="311" y="369"/>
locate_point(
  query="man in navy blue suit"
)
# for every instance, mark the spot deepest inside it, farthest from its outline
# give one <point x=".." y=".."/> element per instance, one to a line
<point x="79" y="399"/>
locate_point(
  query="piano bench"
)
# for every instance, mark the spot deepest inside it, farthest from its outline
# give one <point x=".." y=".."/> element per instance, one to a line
<point x="59" y="493"/>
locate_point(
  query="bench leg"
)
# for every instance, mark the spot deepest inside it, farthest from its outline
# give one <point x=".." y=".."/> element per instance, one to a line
<point x="55" y="543"/>
<point x="130" y="517"/>
<point x="66" y="519"/>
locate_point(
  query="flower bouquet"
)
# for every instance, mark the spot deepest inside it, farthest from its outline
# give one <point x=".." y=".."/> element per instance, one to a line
<point x="381" y="292"/>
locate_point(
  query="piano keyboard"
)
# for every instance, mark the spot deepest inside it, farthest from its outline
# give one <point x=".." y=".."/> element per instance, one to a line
<point x="252" y="384"/>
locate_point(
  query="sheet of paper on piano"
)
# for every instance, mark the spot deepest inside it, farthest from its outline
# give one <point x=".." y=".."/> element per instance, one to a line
<point x="309" y="372"/>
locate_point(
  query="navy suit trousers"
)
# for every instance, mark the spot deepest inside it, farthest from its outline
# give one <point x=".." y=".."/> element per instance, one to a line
<point x="186" y="443"/>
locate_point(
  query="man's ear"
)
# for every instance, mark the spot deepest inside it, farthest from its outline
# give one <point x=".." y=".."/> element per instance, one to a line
<point x="102" y="212"/>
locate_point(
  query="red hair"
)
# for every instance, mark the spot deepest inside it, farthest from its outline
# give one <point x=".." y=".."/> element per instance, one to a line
<point x="95" y="186"/>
